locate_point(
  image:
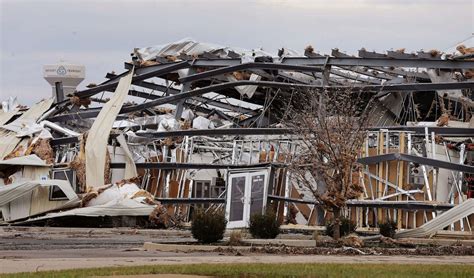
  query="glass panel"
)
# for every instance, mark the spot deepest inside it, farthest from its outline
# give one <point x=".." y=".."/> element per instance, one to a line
<point x="207" y="189"/>
<point x="217" y="191"/>
<point x="198" y="190"/>
<point x="256" y="198"/>
<point x="236" y="199"/>
<point x="55" y="192"/>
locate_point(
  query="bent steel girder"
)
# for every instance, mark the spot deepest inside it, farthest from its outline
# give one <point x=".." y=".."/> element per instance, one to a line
<point x="140" y="74"/>
<point x="359" y="78"/>
<point x="315" y="64"/>
<point x="217" y="132"/>
<point x="203" y="99"/>
<point x="188" y="132"/>
<point x="379" y="62"/>
<point x="416" y="159"/>
<point x="174" y="165"/>
<point x="406" y="205"/>
<point x="248" y="66"/>
<point x="421" y="130"/>
<point x="348" y="61"/>
<point x="362" y="70"/>
<point x="384" y="73"/>
<point x="269" y="84"/>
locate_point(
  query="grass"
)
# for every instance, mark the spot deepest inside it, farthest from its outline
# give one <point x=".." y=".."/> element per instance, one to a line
<point x="271" y="270"/>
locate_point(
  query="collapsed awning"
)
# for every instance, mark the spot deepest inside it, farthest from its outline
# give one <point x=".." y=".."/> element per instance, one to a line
<point x="120" y="207"/>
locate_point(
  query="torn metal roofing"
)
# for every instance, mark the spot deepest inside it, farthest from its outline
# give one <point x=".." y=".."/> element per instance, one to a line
<point x="187" y="112"/>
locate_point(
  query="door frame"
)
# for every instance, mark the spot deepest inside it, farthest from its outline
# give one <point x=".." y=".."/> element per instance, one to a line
<point x="247" y="195"/>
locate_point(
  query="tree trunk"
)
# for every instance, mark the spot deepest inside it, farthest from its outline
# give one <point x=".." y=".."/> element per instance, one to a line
<point x="337" y="223"/>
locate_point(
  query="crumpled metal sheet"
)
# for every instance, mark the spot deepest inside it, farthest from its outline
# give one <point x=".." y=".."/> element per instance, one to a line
<point x="192" y="47"/>
<point x="130" y="167"/>
<point x="27" y="160"/>
<point x="14" y="191"/>
<point x="6" y="116"/>
<point x="117" y="207"/>
<point x="8" y="139"/>
<point x="96" y="145"/>
<point x="441" y="221"/>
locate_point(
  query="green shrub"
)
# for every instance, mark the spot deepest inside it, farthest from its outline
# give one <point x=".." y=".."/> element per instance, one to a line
<point x="388" y="229"/>
<point x="208" y="227"/>
<point x="264" y="226"/>
<point x="346" y="227"/>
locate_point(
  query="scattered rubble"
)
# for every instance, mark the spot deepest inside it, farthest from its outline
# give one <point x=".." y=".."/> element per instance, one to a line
<point x="191" y="124"/>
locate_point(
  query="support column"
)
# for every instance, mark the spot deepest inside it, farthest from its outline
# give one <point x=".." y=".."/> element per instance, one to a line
<point x="58" y="91"/>
<point x="186" y="87"/>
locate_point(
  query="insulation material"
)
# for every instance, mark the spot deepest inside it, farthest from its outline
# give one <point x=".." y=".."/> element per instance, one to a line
<point x="42" y="148"/>
<point x="96" y="145"/>
<point x="202" y="123"/>
<point x="20" y="150"/>
<point x="162" y="218"/>
<point x="107" y="172"/>
<point x="80" y="101"/>
<point x="130" y="168"/>
<point x="122" y="198"/>
<point x="115" y="192"/>
<point x="79" y="164"/>
<point x="8" y="139"/>
<point x="248" y="90"/>
<point x="187" y="115"/>
<point x="168" y="124"/>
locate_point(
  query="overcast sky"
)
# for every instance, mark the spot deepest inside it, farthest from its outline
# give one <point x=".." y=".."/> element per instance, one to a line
<point x="101" y="34"/>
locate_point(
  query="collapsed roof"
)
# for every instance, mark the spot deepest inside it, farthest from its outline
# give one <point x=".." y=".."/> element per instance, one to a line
<point x="173" y="92"/>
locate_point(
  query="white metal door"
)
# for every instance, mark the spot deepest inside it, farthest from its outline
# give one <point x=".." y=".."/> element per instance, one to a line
<point x="246" y="195"/>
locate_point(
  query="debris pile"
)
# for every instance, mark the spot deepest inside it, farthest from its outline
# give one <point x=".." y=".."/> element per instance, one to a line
<point x="192" y="125"/>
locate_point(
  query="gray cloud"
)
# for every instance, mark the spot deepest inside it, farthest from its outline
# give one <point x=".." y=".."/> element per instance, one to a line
<point x="101" y="34"/>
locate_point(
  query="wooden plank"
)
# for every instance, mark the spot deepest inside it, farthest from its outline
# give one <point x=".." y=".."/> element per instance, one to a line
<point x="400" y="176"/>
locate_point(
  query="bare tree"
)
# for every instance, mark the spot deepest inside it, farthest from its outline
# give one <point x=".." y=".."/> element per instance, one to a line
<point x="332" y="127"/>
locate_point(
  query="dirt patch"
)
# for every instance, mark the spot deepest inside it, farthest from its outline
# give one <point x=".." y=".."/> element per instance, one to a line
<point x="417" y="251"/>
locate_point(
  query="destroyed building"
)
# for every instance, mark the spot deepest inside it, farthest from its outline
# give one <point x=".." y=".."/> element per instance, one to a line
<point x="191" y="124"/>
